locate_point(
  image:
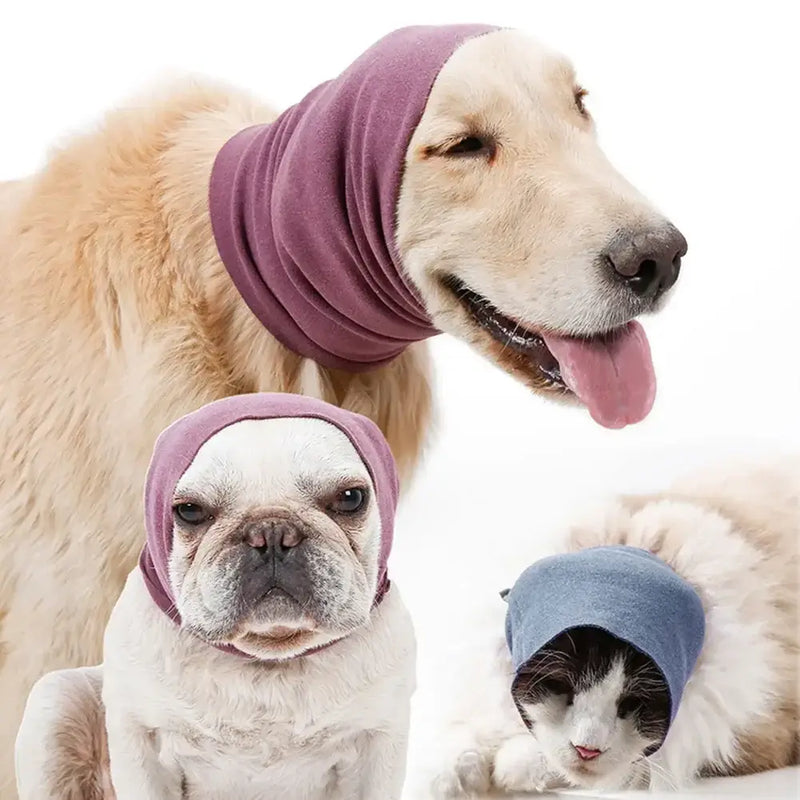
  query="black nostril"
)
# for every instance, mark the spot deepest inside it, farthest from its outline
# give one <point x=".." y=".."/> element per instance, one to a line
<point x="643" y="278"/>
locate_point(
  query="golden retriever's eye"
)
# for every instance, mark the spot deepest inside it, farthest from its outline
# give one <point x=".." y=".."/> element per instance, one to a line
<point x="472" y="146"/>
<point x="191" y="513"/>
<point x="348" y="501"/>
<point x="580" y="93"/>
<point x="469" y="145"/>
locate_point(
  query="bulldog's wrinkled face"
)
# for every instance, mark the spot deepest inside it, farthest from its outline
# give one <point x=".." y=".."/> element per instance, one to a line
<point x="522" y="238"/>
<point x="276" y="538"/>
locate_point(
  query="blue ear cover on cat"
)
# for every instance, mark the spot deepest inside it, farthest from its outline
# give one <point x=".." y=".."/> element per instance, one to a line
<point x="626" y="591"/>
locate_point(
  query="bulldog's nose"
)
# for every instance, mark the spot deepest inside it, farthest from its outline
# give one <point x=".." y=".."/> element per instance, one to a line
<point x="586" y="753"/>
<point x="273" y="537"/>
<point x="649" y="262"/>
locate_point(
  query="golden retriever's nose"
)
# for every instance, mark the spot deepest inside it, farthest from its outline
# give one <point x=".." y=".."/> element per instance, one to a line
<point x="649" y="262"/>
<point x="273" y="537"/>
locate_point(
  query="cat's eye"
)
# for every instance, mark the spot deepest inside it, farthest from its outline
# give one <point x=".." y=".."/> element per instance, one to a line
<point x="558" y="687"/>
<point x="191" y="513"/>
<point x="628" y="706"/>
<point x="349" y="501"/>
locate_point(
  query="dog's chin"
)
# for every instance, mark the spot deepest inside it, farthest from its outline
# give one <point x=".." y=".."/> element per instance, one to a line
<point x="281" y="641"/>
<point x="278" y="627"/>
<point x="274" y="638"/>
<point x="284" y="638"/>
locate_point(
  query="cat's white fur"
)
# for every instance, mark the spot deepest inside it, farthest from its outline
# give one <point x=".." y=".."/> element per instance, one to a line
<point x="734" y="536"/>
<point x="591" y="721"/>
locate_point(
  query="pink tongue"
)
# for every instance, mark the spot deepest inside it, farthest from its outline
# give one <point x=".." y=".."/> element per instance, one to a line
<point x="613" y="376"/>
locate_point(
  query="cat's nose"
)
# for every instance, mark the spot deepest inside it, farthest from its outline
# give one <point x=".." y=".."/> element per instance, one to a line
<point x="586" y="753"/>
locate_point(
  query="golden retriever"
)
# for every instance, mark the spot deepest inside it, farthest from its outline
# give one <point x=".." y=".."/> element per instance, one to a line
<point x="117" y="314"/>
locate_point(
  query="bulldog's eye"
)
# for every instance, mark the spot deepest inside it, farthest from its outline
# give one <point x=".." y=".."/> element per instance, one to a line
<point x="348" y="501"/>
<point x="580" y="93"/>
<point x="191" y="513"/>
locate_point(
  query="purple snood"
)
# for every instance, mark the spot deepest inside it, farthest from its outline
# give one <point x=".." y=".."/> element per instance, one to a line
<point x="303" y="209"/>
<point x="178" y="445"/>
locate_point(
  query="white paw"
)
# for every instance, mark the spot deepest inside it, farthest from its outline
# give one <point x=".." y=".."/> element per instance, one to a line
<point x="520" y="766"/>
<point x="470" y="775"/>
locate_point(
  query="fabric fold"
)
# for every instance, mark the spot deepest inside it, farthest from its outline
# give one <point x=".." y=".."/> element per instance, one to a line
<point x="178" y="445"/>
<point x="626" y="591"/>
<point x="303" y="209"/>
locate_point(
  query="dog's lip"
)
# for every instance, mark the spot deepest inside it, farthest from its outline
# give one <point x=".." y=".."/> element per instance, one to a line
<point x="286" y="624"/>
<point x="610" y="371"/>
<point x="508" y="332"/>
<point x="285" y="634"/>
<point x="285" y="645"/>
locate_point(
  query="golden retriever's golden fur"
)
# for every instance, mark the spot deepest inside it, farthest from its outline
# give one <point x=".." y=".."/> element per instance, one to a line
<point x="117" y="316"/>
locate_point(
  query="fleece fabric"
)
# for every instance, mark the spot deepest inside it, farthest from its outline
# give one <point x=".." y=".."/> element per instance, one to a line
<point x="628" y="592"/>
<point x="303" y="209"/>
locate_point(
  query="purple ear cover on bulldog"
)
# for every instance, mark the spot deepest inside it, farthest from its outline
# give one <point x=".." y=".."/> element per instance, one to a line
<point x="178" y="445"/>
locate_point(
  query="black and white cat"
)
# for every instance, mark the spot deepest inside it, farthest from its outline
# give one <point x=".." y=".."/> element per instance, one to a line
<point x="598" y="709"/>
<point x="611" y="698"/>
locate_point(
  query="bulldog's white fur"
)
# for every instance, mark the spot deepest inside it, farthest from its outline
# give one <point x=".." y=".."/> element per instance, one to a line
<point x="186" y="720"/>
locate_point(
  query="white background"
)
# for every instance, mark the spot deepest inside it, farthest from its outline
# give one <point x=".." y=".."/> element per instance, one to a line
<point x="695" y="102"/>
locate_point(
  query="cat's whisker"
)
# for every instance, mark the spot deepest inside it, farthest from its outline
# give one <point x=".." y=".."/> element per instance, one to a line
<point x="664" y="774"/>
<point x="534" y="679"/>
